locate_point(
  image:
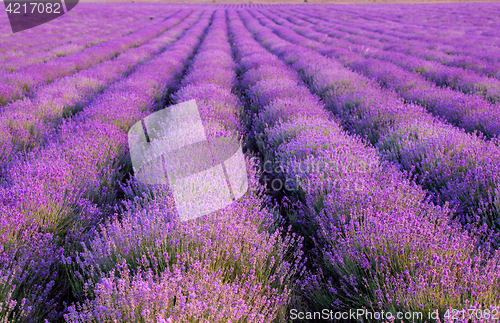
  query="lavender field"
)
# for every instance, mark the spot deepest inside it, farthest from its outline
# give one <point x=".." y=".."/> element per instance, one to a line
<point x="371" y="136"/>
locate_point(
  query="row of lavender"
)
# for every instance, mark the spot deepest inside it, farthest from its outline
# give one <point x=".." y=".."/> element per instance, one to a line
<point x="220" y="268"/>
<point x="383" y="246"/>
<point x="460" y="27"/>
<point x="249" y="260"/>
<point x="457" y="167"/>
<point x="466" y="42"/>
<point x="97" y="18"/>
<point x="455" y="77"/>
<point x="471" y="112"/>
<point x="14" y="85"/>
<point x="54" y="46"/>
<point x="51" y="196"/>
<point x="27" y="123"/>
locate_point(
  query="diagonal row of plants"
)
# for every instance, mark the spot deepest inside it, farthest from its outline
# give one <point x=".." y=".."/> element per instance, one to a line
<point x="456" y="78"/>
<point x="471" y="112"/>
<point x="457" y="167"/>
<point x="54" y="193"/>
<point x="28" y="123"/>
<point x="27" y="51"/>
<point x="17" y="84"/>
<point x="227" y="264"/>
<point x="470" y="51"/>
<point x="382" y="245"/>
